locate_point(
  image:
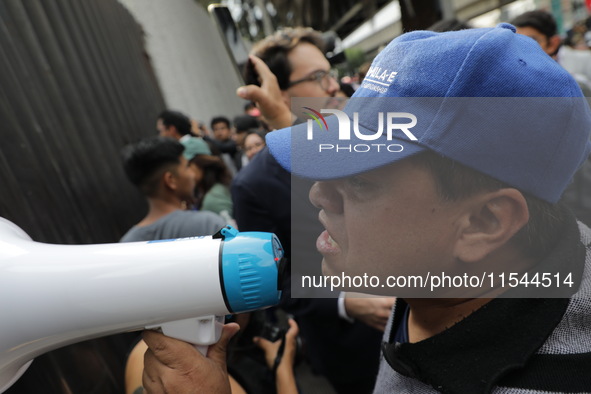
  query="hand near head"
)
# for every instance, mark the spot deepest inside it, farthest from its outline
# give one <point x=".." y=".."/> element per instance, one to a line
<point x="199" y="129"/>
<point x="174" y="366"/>
<point x="371" y="310"/>
<point x="268" y="96"/>
<point x="272" y="348"/>
<point x="285" y="382"/>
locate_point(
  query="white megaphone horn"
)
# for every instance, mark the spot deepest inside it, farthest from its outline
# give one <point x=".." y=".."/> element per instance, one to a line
<point x="56" y="295"/>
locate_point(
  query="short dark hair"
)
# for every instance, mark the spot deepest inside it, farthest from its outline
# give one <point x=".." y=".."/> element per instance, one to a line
<point x="542" y="21"/>
<point x="246" y="122"/>
<point x="220" y="119"/>
<point x="146" y="160"/>
<point x="176" y="119"/>
<point x="273" y="50"/>
<point x="455" y="181"/>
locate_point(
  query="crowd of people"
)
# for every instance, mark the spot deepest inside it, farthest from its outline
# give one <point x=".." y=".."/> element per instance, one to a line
<point x="449" y="203"/>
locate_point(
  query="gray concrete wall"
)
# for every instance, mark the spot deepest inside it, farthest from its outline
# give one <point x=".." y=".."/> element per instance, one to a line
<point x="194" y="70"/>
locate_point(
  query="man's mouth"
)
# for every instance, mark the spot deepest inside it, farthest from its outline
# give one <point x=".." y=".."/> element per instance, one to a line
<point x="326" y="244"/>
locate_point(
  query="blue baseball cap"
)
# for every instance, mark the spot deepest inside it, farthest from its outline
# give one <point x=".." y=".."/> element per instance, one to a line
<point x="489" y="99"/>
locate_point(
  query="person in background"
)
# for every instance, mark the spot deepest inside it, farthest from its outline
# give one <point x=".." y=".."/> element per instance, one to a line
<point x="199" y="129"/>
<point x="175" y="124"/>
<point x="575" y="55"/>
<point x="540" y="26"/>
<point x="222" y="141"/>
<point x="221" y="128"/>
<point x="212" y="189"/>
<point x="158" y="168"/>
<point x="257" y="359"/>
<point x="253" y="144"/>
<point x="243" y="124"/>
<point x="222" y="135"/>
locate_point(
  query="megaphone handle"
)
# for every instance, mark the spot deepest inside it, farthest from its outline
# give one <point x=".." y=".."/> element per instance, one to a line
<point x="202" y="349"/>
<point x="200" y="331"/>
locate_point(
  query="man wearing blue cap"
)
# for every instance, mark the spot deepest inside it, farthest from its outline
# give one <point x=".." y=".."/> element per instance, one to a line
<point x="446" y="168"/>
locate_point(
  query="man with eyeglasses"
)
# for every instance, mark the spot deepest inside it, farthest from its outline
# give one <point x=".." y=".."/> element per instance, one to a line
<point x="291" y="63"/>
<point x="296" y="58"/>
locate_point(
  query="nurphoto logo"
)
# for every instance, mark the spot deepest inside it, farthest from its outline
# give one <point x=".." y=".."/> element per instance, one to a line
<point x="388" y="124"/>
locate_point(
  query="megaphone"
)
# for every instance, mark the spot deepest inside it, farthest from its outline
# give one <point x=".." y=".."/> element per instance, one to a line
<point x="56" y="295"/>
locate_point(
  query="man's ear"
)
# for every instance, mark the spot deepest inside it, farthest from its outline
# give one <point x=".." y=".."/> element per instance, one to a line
<point x="169" y="180"/>
<point x="490" y="221"/>
<point x="553" y="44"/>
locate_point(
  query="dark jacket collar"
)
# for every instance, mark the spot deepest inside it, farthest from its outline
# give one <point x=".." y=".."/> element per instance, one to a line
<point x="474" y="354"/>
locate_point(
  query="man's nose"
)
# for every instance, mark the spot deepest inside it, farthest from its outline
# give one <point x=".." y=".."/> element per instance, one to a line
<point x="324" y="195"/>
<point x="333" y="86"/>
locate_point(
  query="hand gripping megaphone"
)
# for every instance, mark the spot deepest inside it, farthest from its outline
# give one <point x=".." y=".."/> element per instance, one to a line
<point x="56" y="295"/>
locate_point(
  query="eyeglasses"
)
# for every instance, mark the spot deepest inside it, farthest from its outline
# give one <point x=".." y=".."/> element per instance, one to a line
<point x="321" y="77"/>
